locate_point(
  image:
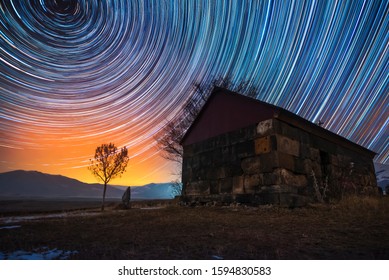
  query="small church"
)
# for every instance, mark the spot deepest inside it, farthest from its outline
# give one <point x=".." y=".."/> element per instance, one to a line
<point x="243" y="150"/>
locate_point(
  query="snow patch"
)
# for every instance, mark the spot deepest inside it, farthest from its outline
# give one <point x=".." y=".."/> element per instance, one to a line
<point x="151" y="208"/>
<point x="217" y="257"/>
<point x="10" y="227"/>
<point x="17" y="219"/>
<point x="43" y="253"/>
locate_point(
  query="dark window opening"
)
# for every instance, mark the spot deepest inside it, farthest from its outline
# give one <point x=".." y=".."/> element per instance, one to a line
<point x="325" y="161"/>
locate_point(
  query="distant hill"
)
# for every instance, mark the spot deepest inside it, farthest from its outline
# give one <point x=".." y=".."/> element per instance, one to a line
<point x="21" y="183"/>
<point x="33" y="184"/>
<point x="153" y="191"/>
<point x="382" y="174"/>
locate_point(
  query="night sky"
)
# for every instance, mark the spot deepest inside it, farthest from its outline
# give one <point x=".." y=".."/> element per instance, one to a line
<point x="76" y="74"/>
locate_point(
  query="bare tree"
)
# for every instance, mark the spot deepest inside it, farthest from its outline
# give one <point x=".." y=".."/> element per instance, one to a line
<point x="176" y="188"/>
<point x="171" y="135"/>
<point x="169" y="140"/>
<point x="108" y="163"/>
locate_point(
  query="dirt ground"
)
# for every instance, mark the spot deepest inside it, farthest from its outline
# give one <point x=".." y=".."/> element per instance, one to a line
<point x="354" y="229"/>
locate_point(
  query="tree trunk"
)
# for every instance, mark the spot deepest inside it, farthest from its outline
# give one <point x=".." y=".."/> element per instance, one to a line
<point x="105" y="189"/>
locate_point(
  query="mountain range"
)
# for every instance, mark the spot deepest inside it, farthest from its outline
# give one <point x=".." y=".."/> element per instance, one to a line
<point x="382" y="174"/>
<point x="34" y="184"/>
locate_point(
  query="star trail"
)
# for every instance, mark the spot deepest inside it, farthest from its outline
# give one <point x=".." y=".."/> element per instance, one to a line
<point x="78" y="73"/>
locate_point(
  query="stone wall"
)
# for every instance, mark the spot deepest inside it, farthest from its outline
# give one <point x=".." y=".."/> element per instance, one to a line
<point x="273" y="162"/>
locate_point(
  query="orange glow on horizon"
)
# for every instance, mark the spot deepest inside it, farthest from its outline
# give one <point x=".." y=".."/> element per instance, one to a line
<point x="69" y="156"/>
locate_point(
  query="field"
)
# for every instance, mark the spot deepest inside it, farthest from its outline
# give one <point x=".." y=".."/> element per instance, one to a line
<point x="357" y="228"/>
<point x="27" y="206"/>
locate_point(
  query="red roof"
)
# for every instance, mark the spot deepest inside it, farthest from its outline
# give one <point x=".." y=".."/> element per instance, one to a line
<point x="226" y="111"/>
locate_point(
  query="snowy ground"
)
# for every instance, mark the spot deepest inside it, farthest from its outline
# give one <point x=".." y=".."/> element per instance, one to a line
<point x="10" y="227"/>
<point x="43" y="253"/>
<point x="18" y="219"/>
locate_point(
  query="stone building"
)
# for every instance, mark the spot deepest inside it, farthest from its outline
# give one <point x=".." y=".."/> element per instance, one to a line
<point x="244" y="150"/>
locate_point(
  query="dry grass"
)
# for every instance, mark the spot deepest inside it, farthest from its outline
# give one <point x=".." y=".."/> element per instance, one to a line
<point x="356" y="228"/>
<point x="362" y="203"/>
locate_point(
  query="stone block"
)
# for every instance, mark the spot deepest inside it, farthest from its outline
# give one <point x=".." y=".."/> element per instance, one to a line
<point x="208" y="144"/>
<point x="225" y="171"/>
<point x="195" y="162"/>
<point x="303" y="190"/>
<point x="317" y="170"/>
<point x="345" y="161"/>
<point x="206" y="159"/>
<point x="217" y="158"/>
<point x="252" y="183"/>
<point x="334" y="160"/>
<point x="330" y="147"/>
<point x="268" y="198"/>
<point x="373" y="180"/>
<point x="334" y="171"/>
<point x="188" y="150"/>
<point x="270" y="179"/>
<point x="212" y="173"/>
<point x="268" y="162"/>
<point x="221" y="172"/>
<point x="187" y="174"/>
<point x="238" y="136"/>
<point x="299" y="165"/>
<point x="225" y="153"/>
<point x="371" y="168"/>
<point x="197" y="188"/>
<point x="289" y="131"/>
<point x="286" y="161"/>
<point x="360" y="168"/>
<point x="235" y="169"/>
<point x="275" y="188"/>
<point x="287" y="145"/>
<point x="227" y="199"/>
<point x="251" y="165"/>
<point x="221" y="140"/>
<point x="304" y="137"/>
<point x="315" y="154"/>
<point x="273" y="142"/>
<point x="214" y="187"/>
<point x="244" y="198"/>
<point x="199" y="174"/>
<point x="316" y="142"/>
<point x="293" y="200"/>
<point x="262" y="145"/>
<point x="196" y="148"/>
<point x="237" y="184"/>
<point x="308" y="166"/>
<point x="305" y="151"/>
<point x="233" y="153"/>
<point x="290" y="179"/>
<point x="251" y="132"/>
<point x="245" y="149"/>
<point x="186" y="162"/>
<point x="265" y="127"/>
<point x="279" y="177"/>
<point x="225" y="185"/>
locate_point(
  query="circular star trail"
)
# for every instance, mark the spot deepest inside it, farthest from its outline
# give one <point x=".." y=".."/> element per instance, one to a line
<point x="77" y="73"/>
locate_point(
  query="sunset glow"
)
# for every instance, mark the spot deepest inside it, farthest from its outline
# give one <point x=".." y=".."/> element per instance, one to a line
<point x="77" y="74"/>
